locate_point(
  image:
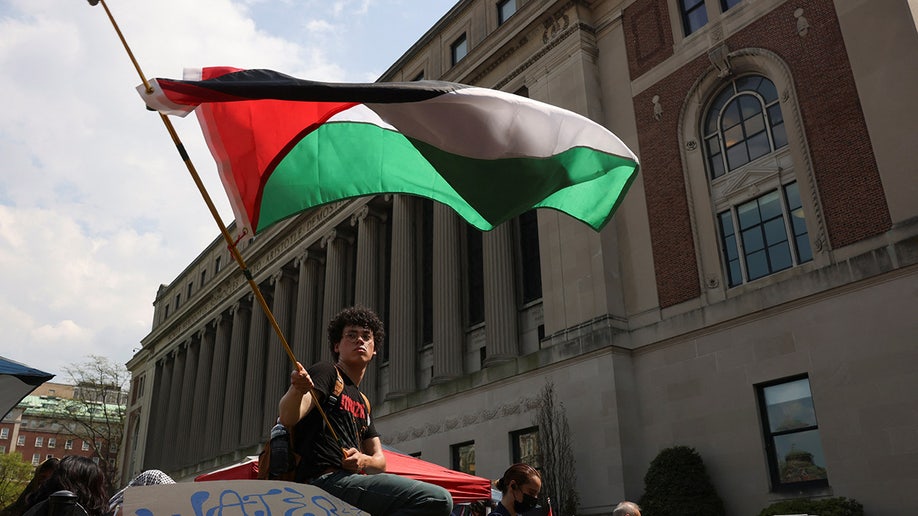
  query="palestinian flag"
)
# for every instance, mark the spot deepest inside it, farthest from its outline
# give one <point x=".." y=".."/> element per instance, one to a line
<point x="284" y="145"/>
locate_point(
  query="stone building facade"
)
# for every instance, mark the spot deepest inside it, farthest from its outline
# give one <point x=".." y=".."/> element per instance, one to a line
<point x="754" y="297"/>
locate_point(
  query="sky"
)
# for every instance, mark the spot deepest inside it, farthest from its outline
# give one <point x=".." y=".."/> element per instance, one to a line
<point x="96" y="207"/>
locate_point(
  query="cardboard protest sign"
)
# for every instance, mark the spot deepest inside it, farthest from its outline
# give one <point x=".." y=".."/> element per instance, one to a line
<point x="234" y="498"/>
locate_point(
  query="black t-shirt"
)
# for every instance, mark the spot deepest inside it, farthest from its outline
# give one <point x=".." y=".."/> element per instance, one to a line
<point x="349" y="417"/>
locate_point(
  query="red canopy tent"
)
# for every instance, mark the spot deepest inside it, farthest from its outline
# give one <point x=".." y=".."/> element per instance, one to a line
<point x="463" y="487"/>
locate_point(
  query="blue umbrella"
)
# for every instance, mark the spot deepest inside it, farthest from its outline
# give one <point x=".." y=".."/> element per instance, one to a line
<point x="16" y="382"/>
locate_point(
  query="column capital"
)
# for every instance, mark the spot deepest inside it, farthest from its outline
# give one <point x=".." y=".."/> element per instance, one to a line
<point x="336" y="234"/>
<point x="309" y="254"/>
<point x="367" y="211"/>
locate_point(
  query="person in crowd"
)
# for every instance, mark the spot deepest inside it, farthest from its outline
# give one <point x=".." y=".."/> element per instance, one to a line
<point x="627" y="509"/>
<point x="42" y="473"/>
<point x="79" y="475"/>
<point x="344" y="457"/>
<point x="520" y="487"/>
<point x="149" y="477"/>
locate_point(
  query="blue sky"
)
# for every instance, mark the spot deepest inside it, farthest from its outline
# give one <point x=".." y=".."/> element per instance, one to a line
<point x="96" y="208"/>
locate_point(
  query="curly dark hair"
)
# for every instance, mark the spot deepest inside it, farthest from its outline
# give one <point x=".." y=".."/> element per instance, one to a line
<point x="82" y="477"/>
<point x="355" y="316"/>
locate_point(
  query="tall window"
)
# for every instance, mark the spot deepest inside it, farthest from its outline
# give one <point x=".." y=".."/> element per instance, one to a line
<point x="694" y="15"/>
<point x="744" y="130"/>
<point x="529" y="256"/>
<point x="36" y="459"/>
<point x="52" y="442"/>
<point x="20" y="441"/>
<point x="68" y="444"/>
<point x="85" y="446"/>
<point x="203" y="277"/>
<point x="217" y="265"/>
<point x="795" y="457"/>
<point x="463" y="456"/>
<point x="4" y="433"/>
<point x="39" y="442"/>
<point x="765" y="235"/>
<point x="505" y="9"/>
<point x="459" y="49"/>
<point x="525" y="445"/>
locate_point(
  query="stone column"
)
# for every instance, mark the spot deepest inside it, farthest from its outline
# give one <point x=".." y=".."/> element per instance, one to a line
<point x="336" y="244"/>
<point x="501" y="325"/>
<point x="448" y="333"/>
<point x="278" y="365"/>
<point x="185" y="431"/>
<point x="308" y="334"/>
<point x="171" y="434"/>
<point x="198" y="432"/>
<point x="157" y="427"/>
<point x="231" y="422"/>
<point x="368" y="281"/>
<point x="402" y="331"/>
<point x="217" y="391"/>
<point x="253" y="402"/>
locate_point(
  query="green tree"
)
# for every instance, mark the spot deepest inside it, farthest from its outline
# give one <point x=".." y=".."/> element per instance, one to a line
<point x="677" y="484"/>
<point x="14" y="476"/>
<point x="97" y="411"/>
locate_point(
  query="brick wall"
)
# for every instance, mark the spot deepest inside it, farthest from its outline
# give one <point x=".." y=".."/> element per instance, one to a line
<point x="854" y="204"/>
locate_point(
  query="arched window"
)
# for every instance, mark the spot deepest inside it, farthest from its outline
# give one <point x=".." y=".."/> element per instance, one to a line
<point x="758" y="209"/>
<point x="743" y="123"/>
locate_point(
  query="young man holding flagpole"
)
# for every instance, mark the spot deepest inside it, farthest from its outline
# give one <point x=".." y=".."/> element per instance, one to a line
<point x="340" y="451"/>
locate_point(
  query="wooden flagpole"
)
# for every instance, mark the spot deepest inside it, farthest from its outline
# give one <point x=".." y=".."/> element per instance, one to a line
<point x="231" y="244"/>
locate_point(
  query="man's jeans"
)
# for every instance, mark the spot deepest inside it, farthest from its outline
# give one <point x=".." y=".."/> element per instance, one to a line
<point x="387" y="495"/>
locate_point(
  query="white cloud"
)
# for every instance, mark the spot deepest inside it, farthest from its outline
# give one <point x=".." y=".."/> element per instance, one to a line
<point x="96" y="207"/>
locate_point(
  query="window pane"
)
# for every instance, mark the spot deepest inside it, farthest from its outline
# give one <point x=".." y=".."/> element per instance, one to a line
<point x="730" y="248"/>
<point x="758" y="145"/>
<point x="714" y="110"/>
<point x="748" y="215"/>
<point x="748" y="83"/>
<point x="733" y="136"/>
<point x="736" y="276"/>
<point x="767" y="90"/>
<point x="737" y="156"/>
<point x="731" y="116"/>
<point x="756" y="265"/>
<point x="775" y="233"/>
<point x="752" y="240"/>
<point x="790" y="405"/>
<point x="749" y="106"/>
<point x="770" y="205"/>
<point x="799" y="457"/>
<point x="694" y="15"/>
<point x="779" y="256"/>
<point x="755" y="124"/>
<point x="726" y="4"/>
<point x="804" y="252"/>
<point x="779" y="135"/>
<point x="459" y="49"/>
<point x="505" y="9"/>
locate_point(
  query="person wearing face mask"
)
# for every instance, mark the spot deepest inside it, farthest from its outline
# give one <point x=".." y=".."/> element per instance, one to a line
<point x="520" y="487"/>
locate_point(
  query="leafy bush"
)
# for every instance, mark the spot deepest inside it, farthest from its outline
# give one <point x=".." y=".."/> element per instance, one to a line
<point x="677" y="484"/>
<point x="823" y="507"/>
